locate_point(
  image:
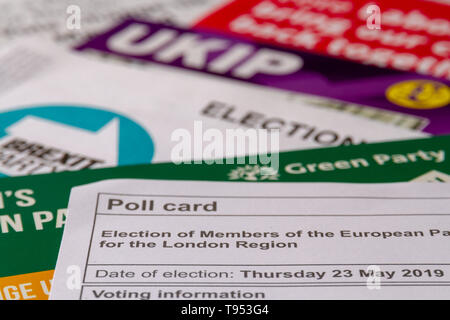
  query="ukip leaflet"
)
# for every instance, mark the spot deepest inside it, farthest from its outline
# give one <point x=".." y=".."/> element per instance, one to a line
<point x="405" y="99"/>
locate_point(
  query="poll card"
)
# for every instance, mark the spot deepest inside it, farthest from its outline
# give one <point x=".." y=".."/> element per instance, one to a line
<point x="149" y="239"/>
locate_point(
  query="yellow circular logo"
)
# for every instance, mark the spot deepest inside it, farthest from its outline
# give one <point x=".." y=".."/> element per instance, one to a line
<point x="419" y="94"/>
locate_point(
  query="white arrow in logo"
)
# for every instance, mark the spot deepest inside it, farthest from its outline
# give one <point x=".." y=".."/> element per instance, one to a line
<point x="37" y="145"/>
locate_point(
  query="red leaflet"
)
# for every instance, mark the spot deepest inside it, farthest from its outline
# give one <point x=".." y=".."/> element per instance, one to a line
<point x="408" y="35"/>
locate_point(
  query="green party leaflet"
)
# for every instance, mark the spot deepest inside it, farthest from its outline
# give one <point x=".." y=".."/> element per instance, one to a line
<point x="33" y="208"/>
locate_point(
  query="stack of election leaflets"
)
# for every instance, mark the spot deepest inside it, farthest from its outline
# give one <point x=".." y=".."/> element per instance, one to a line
<point x="97" y="114"/>
<point x="34" y="208"/>
<point x="411" y="100"/>
<point x="224" y="149"/>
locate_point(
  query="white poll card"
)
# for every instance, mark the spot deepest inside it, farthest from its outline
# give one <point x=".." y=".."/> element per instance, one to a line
<point x="150" y="239"/>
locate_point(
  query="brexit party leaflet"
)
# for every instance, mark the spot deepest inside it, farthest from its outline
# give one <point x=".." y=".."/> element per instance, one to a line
<point x="33" y="209"/>
<point x="410" y="35"/>
<point x="73" y="112"/>
<point x="159" y="239"/>
<point x="406" y="99"/>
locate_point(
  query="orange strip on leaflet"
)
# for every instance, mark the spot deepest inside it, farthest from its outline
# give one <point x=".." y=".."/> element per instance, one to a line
<point x="29" y="286"/>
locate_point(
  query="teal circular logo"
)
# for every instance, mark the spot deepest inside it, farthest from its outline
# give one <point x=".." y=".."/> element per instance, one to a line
<point x="56" y="138"/>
